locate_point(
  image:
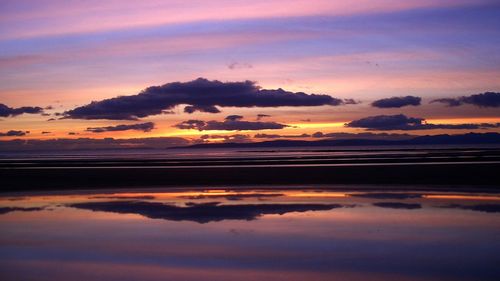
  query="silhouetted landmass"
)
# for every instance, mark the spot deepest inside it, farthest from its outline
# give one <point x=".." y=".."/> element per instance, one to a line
<point x="401" y="122"/>
<point x="88" y="144"/>
<point x="245" y="141"/>
<point x="201" y="213"/>
<point x="470" y="138"/>
<point x="397" y="205"/>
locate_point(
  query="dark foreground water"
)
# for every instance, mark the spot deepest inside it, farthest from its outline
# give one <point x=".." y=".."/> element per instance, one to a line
<point x="250" y="234"/>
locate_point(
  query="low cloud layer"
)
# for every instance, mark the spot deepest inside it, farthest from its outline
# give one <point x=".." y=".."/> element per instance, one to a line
<point x="488" y="99"/>
<point x="402" y="122"/>
<point x="6" y="111"/>
<point x="199" y="95"/>
<point x="145" y="127"/>
<point x="239" y="138"/>
<point x="396" y="102"/>
<point x="231" y="123"/>
<point x="276" y="136"/>
<point x="13" y="133"/>
<point x="369" y="136"/>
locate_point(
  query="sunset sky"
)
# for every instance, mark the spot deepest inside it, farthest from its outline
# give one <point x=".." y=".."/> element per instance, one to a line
<point x="215" y="68"/>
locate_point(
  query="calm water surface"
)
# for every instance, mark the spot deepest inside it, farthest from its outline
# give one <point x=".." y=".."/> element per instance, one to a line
<point x="250" y="234"/>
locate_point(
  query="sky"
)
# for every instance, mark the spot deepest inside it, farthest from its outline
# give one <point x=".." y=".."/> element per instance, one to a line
<point x="226" y="70"/>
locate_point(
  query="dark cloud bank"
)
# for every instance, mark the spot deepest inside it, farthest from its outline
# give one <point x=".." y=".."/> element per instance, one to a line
<point x="200" y="213"/>
<point x="145" y="127"/>
<point x="488" y="99"/>
<point x="13" y="133"/>
<point x="405" y="123"/>
<point x="200" y="95"/>
<point x="396" y="102"/>
<point x="231" y="123"/>
<point x="6" y="111"/>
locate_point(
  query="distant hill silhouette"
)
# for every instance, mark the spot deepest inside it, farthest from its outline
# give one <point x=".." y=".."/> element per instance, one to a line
<point x="470" y="138"/>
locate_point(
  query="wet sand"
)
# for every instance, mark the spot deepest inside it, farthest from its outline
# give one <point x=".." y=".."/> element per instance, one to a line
<point x="486" y="174"/>
<point x="474" y="167"/>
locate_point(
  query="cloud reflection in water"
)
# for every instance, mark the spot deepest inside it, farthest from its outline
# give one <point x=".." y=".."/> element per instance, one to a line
<point x="201" y="213"/>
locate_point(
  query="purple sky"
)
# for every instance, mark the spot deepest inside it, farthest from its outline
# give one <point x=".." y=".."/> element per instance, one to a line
<point x="62" y="55"/>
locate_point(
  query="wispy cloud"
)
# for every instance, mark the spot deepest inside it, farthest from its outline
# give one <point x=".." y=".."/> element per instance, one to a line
<point x="56" y="17"/>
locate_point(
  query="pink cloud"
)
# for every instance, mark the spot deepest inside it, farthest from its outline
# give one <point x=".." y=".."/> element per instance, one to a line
<point x="55" y="17"/>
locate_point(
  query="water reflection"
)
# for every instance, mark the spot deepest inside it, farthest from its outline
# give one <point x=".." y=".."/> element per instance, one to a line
<point x="397" y="205"/>
<point x="200" y="212"/>
<point x="5" y="210"/>
<point x="376" y="195"/>
<point x="487" y="208"/>
<point x="250" y="234"/>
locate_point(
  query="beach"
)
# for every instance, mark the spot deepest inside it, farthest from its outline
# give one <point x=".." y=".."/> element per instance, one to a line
<point x="476" y="167"/>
